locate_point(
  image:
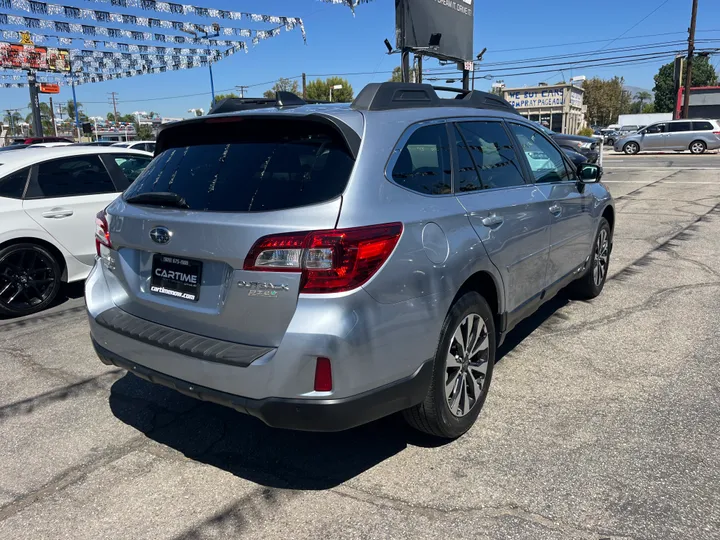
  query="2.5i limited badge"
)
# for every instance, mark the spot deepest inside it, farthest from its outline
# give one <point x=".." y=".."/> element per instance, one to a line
<point x="262" y="289"/>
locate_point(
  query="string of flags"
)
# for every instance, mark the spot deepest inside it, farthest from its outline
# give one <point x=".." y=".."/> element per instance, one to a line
<point x="92" y="30"/>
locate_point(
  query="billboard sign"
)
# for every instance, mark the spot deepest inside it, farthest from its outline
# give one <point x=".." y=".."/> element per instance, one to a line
<point x="417" y="21"/>
<point x="17" y="56"/>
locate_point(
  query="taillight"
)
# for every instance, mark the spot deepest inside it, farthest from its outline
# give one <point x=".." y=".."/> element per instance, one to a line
<point x="716" y="133"/>
<point x="102" y="232"/>
<point x="330" y="261"/>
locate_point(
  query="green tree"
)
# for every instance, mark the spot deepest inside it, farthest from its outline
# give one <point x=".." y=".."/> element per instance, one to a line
<point x="283" y="85"/>
<point x="605" y="100"/>
<point x="220" y="97"/>
<point x="703" y="74"/>
<point x="12" y="120"/>
<point x="45" y="119"/>
<point x="397" y="75"/>
<point x="144" y="132"/>
<point x="648" y="108"/>
<point x="319" y="90"/>
<point x="643" y="96"/>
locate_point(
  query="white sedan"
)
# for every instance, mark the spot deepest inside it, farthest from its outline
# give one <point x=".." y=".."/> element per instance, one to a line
<point x="49" y="198"/>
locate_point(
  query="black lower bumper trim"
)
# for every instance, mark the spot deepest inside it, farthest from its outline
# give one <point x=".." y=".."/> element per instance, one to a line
<point x="299" y="414"/>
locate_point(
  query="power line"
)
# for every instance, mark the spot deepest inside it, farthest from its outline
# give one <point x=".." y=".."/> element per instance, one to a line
<point x="636" y="24"/>
<point x="534" y="47"/>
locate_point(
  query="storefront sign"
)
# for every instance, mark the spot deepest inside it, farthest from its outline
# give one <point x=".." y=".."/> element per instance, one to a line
<point x="576" y="99"/>
<point x="550" y="97"/>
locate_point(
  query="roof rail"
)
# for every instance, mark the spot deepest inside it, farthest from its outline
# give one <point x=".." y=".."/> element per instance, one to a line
<point x="395" y="95"/>
<point x="280" y="101"/>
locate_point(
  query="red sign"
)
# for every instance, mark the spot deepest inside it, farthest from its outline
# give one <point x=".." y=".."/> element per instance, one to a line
<point x="49" y="88"/>
<point x="13" y="56"/>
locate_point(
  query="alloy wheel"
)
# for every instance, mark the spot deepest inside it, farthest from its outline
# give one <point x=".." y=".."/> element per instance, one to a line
<point x="631" y="148"/>
<point x="600" y="259"/>
<point x="467" y="364"/>
<point x="27" y="279"/>
<point x="697" y="148"/>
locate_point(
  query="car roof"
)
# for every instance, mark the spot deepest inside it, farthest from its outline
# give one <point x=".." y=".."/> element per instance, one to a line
<point x="17" y="159"/>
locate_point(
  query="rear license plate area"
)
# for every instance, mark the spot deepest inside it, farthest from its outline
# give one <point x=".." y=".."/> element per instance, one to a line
<point x="176" y="277"/>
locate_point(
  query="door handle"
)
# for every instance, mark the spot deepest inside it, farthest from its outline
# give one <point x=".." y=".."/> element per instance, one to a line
<point x="555" y="209"/>
<point x="58" y="213"/>
<point x="492" y="221"/>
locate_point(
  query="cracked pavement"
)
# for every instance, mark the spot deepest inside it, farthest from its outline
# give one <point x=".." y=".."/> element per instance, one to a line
<point x="601" y="423"/>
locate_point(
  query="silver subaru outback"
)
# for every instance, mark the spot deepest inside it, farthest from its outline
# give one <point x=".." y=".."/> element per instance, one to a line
<point x="322" y="266"/>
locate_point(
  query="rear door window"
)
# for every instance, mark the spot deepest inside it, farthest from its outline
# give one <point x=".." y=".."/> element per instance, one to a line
<point x="71" y="176"/>
<point x="702" y="126"/>
<point x="423" y="164"/>
<point x="679" y="126"/>
<point x="276" y="167"/>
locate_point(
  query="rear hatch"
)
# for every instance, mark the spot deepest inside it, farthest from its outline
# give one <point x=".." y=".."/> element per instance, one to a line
<point x="183" y="230"/>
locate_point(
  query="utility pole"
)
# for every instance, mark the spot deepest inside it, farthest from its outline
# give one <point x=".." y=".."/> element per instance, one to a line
<point x="691" y="52"/>
<point x="304" y="86"/>
<point x="114" y="104"/>
<point x="242" y="90"/>
<point x="35" y="105"/>
<point x="11" y="112"/>
<point x="52" y="116"/>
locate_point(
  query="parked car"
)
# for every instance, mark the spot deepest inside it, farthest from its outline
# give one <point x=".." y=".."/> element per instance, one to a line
<point x="321" y="267"/>
<point x="98" y="143"/>
<point x="147" y="146"/>
<point x="587" y="146"/>
<point x="577" y="159"/>
<point x="694" y="135"/>
<point x="37" y="140"/>
<point x="13" y="147"/>
<point x="48" y="201"/>
<point x="49" y="144"/>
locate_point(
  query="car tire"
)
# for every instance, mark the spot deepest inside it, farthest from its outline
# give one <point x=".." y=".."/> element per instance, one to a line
<point x="697" y="147"/>
<point x="470" y="319"/>
<point x="631" y="148"/>
<point x="30" y="279"/>
<point x="610" y="142"/>
<point x="591" y="284"/>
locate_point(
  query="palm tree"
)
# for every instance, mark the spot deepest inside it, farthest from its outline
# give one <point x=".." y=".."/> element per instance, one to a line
<point x="642" y="97"/>
<point x="13" y="122"/>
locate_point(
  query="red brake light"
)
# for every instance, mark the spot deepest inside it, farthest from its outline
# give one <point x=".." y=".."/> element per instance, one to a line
<point x="323" y="375"/>
<point x="331" y="261"/>
<point x="102" y="232"/>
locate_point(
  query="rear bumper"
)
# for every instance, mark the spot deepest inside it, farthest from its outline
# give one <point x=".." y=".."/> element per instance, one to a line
<point x="299" y="414"/>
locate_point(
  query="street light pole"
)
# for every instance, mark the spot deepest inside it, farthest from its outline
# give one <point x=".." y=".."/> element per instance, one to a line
<point x="335" y="87"/>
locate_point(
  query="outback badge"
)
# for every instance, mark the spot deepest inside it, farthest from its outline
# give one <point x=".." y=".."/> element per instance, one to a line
<point x="262" y="289"/>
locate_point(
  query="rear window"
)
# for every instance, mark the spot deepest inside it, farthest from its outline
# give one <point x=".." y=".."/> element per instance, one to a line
<point x="230" y="167"/>
<point x="702" y="126"/>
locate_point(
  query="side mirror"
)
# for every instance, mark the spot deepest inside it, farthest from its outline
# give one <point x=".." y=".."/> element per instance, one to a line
<point x="590" y="173"/>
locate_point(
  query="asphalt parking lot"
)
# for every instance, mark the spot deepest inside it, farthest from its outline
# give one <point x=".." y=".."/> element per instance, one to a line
<point x="602" y="420"/>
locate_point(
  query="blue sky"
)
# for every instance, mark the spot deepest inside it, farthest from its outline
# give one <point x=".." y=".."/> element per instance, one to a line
<point x="339" y="43"/>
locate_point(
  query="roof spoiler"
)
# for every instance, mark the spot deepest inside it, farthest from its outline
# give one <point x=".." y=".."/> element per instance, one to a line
<point x="395" y="95"/>
<point x="282" y="100"/>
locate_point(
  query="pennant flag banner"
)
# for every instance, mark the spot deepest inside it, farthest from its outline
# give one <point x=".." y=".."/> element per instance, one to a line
<point x="91" y="30"/>
<point x="105" y="55"/>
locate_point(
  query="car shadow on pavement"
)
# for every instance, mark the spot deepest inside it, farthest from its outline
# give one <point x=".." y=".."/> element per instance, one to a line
<point x="244" y="446"/>
<point x="276" y="458"/>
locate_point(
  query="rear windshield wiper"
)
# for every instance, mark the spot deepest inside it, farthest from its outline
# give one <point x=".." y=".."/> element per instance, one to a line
<point x="158" y="198"/>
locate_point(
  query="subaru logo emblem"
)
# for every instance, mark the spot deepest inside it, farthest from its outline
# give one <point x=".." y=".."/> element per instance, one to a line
<point x="160" y="235"/>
